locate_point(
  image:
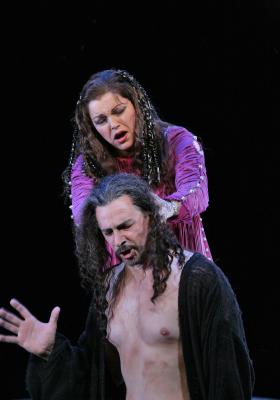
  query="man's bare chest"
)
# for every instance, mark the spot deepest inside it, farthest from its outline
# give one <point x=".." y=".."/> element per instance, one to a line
<point x="137" y="318"/>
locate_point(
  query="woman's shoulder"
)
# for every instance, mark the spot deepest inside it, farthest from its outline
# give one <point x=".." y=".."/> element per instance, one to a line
<point x="173" y="131"/>
<point x="78" y="162"/>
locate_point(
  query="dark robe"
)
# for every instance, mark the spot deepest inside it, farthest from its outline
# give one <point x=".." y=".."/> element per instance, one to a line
<point x="215" y="351"/>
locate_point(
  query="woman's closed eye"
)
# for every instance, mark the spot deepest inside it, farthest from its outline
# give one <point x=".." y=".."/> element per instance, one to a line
<point x="100" y="120"/>
<point x="118" y="110"/>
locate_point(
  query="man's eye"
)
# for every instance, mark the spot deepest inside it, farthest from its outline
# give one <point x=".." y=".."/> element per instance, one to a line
<point x="126" y="226"/>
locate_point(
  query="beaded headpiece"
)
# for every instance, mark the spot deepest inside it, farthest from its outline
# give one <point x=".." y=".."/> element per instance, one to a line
<point x="150" y="144"/>
<point x="151" y="153"/>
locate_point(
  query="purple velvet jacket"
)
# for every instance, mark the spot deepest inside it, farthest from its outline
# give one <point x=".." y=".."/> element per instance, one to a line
<point x="190" y="182"/>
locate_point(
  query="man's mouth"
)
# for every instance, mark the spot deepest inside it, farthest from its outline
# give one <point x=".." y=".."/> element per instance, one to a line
<point x="127" y="253"/>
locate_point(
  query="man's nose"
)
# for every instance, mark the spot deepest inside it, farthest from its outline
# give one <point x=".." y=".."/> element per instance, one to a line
<point x="118" y="239"/>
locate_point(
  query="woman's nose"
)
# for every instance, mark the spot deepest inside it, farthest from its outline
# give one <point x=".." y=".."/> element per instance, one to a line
<point x="114" y="123"/>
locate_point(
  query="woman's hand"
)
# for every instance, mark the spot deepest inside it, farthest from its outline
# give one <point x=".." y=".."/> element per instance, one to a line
<point x="167" y="209"/>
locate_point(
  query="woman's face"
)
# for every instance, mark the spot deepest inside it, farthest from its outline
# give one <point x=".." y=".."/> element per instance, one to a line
<point x="114" y="118"/>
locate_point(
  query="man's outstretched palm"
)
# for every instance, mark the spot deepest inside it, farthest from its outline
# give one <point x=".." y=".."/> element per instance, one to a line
<point x="27" y="331"/>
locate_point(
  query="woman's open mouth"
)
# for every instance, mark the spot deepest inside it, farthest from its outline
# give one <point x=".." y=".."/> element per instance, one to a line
<point x="120" y="137"/>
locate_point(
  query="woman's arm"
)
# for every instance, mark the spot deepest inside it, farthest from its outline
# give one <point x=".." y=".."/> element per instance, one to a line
<point x="81" y="186"/>
<point x="190" y="174"/>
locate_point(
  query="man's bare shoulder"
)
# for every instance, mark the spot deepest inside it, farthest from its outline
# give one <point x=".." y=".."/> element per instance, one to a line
<point x="176" y="269"/>
<point x="188" y="255"/>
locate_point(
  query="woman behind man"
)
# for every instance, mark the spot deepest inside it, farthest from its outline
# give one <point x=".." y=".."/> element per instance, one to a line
<point x="117" y="129"/>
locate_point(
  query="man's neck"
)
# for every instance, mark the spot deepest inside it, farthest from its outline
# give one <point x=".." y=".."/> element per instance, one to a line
<point x="136" y="272"/>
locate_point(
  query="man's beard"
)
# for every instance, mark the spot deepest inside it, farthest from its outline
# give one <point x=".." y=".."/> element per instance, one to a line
<point x="131" y="255"/>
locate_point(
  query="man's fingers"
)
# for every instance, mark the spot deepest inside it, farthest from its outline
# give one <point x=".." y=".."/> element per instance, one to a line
<point x="24" y="312"/>
<point x="8" y="339"/>
<point x="7" y="325"/>
<point x="54" y="315"/>
<point x="9" y="317"/>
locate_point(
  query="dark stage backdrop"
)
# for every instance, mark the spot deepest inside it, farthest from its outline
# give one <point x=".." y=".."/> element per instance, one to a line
<point x="211" y="67"/>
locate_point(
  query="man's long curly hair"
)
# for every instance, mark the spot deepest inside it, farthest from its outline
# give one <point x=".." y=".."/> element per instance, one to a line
<point x="94" y="258"/>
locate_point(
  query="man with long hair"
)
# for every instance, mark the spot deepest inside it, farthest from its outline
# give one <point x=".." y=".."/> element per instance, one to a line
<point x="163" y="324"/>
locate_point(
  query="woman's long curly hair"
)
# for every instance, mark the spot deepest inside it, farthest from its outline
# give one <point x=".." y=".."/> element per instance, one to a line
<point x="93" y="256"/>
<point x="99" y="156"/>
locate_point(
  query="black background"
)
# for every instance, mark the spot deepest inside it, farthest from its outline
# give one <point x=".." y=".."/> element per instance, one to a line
<point x="210" y="66"/>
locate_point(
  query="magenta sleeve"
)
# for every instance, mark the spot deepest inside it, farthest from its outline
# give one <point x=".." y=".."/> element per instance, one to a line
<point x="81" y="186"/>
<point x="190" y="174"/>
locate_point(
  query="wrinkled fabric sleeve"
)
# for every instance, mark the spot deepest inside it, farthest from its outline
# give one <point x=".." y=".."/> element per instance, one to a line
<point x="81" y="186"/>
<point x="220" y="367"/>
<point x="70" y="372"/>
<point x="190" y="174"/>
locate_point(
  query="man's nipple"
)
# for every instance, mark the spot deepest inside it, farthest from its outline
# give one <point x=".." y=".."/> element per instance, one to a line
<point x="164" y="332"/>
